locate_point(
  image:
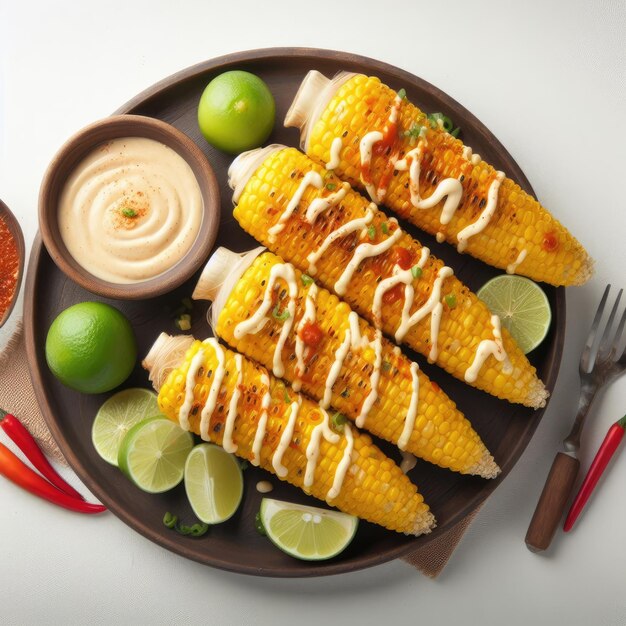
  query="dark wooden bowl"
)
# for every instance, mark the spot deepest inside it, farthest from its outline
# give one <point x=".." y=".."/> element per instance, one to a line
<point x="68" y="157"/>
<point x="16" y="231"/>
<point x="235" y="545"/>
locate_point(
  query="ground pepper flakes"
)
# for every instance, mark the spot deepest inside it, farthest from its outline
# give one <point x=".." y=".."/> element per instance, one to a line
<point x="9" y="267"/>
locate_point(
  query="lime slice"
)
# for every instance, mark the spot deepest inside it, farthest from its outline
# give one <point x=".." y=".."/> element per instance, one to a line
<point x="214" y="483"/>
<point x="117" y="416"/>
<point x="306" y="532"/>
<point x="153" y="454"/>
<point x="522" y="306"/>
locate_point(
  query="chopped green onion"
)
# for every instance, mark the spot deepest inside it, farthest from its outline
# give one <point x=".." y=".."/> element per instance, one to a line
<point x="451" y="300"/>
<point x="306" y="280"/>
<point x="126" y="212"/>
<point x="170" y="520"/>
<point x="384" y="228"/>
<point x="416" y="271"/>
<point x="183" y="322"/>
<point x="281" y="316"/>
<point x="197" y="530"/>
<point x="182" y="529"/>
<point x="402" y="93"/>
<point x="338" y="420"/>
<point x="371" y="231"/>
<point x="243" y="464"/>
<point x="258" y="524"/>
<point x="386" y="366"/>
<point x="455" y="132"/>
<point x="331" y="186"/>
<point x="286" y="396"/>
<point x="414" y="131"/>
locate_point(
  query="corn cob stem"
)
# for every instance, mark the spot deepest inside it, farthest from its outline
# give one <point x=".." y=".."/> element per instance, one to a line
<point x="385" y="275"/>
<point x="345" y="363"/>
<point x="262" y="420"/>
<point x="389" y="149"/>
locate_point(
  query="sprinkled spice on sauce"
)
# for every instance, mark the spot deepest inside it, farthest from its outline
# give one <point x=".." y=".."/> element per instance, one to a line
<point x="9" y="267"/>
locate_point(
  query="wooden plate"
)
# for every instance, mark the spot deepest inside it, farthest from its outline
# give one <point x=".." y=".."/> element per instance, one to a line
<point x="236" y="546"/>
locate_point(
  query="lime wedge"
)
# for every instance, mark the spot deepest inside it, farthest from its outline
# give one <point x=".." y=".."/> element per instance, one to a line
<point x="214" y="483"/>
<point x="153" y="454"/>
<point x="117" y="416"/>
<point x="522" y="306"/>
<point x="306" y="532"/>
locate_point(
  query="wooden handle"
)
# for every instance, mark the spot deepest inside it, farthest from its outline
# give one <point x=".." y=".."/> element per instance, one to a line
<point x="552" y="502"/>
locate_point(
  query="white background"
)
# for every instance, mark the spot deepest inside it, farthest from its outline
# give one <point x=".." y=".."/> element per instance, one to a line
<point x="548" y="80"/>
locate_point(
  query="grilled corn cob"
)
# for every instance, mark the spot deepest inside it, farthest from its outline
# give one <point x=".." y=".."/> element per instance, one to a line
<point x="429" y="309"/>
<point x="521" y="236"/>
<point x="333" y="358"/>
<point x="233" y="402"/>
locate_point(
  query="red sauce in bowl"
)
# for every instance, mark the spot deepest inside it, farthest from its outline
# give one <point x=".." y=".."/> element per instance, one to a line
<point x="9" y="267"/>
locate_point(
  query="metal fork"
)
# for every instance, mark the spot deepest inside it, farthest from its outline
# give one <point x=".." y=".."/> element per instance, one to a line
<point x="601" y="363"/>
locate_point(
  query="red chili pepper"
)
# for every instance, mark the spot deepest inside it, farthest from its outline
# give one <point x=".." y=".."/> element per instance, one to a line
<point x="598" y="465"/>
<point x="17" y="472"/>
<point x="27" y="444"/>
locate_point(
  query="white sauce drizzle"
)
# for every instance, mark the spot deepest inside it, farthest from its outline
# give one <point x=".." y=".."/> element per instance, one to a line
<point x="364" y="251"/>
<point x="319" y="205"/>
<point x="310" y="179"/>
<point x="474" y="159"/>
<point x="485" y="348"/>
<point x="409" y="421"/>
<point x="483" y="219"/>
<point x="358" y="341"/>
<point x="229" y="426"/>
<point x="264" y="486"/>
<point x="335" y="369"/>
<point x="349" y="227"/>
<point x="344" y="465"/>
<point x="335" y="149"/>
<point x="408" y="462"/>
<point x="262" y="425"/>
<point x="368" y="403"/>
<point x="218" y="377"/>
<point x="308" y="318"/>
<point x="512" y="267"/>
<point x="285" y="439"/>
<point x="313" y="449"/>
<point x="365" y="147"/>
<point x="256" y="323"/>
<point x="190" y="383"/>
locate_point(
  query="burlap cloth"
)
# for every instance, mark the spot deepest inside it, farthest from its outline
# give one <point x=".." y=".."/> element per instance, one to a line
<point x="18" y="396"/>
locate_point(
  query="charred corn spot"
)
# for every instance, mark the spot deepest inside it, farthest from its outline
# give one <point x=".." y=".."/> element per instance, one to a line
<point x="387" y="416"/>
<point x="462" y="326"/>
<point x="520" y="222"/>
<point x="406" y="512"/>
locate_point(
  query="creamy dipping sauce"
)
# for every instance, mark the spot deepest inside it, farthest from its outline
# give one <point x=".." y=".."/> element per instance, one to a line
<point x="130" y="210"/>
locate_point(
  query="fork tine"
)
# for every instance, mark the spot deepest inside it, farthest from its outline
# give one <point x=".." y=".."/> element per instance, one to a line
<point x="619" y="331"/>
<point x="605" y="343"/>
<point x="593" y="331"/>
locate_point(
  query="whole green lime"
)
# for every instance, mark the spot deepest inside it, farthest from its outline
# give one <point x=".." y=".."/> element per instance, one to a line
<point x="236" y="112"/>
<point x="91" y="347"/>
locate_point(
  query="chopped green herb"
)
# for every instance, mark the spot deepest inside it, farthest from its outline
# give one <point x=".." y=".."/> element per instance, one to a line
<point x="183" y="322"/>
<point x="126" y="212"/>
<point x="170" y="520"/>
<point x="402" y="93"/>
<point x="414" y="131"/>
<point x="384" y="228"/>
<point x="371" y="231"/>
<point x="331" y="186"/>
<point x="455" y="132"/>
<point x="258" y="524"/>
<point x="306" y="280"/>
<point x="281" y="316"/>
<point x="338" y="420"/>
<point x="197" y="530"/>
<point x="451" y="300"/>
<point x="286" y="396"/>
<point x="446" y="122"/>
<point x="416" y="271"/>
<point x="386" y="366"/>
<point x="182" y="529"/>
